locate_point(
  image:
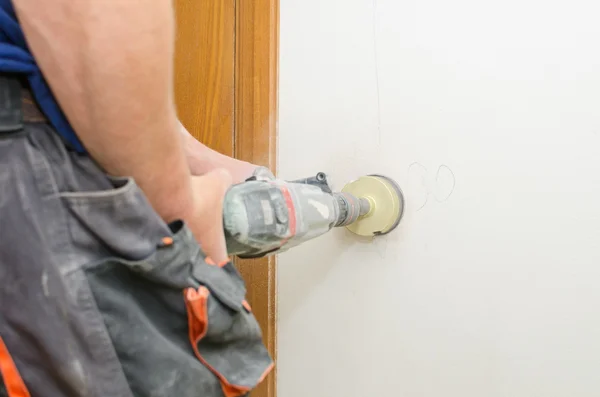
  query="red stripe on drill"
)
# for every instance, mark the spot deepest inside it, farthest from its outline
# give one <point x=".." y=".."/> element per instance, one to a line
<point x="291" y="211"/>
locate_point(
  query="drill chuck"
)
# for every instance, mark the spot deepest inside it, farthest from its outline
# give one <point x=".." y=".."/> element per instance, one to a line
<point x="350" y="208"/>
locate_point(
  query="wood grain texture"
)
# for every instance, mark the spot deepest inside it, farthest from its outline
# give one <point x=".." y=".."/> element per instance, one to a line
<point x="226" y="65"/>
<point x="256" y="82"/>
<point x="204" y="70"/>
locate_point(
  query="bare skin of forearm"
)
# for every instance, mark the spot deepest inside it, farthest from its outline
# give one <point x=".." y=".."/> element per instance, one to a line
<point x="202" y="159"/>
<point x="109" y="64"/>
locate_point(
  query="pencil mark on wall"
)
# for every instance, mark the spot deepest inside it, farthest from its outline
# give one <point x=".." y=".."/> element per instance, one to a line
<point x="376" y="58"/>
<point x="445" y="182"/>
<point x="416" y="164"/>
<point x="418" y="188"/>
<point x="424" y="204"/>
<point x="423" y="184"/>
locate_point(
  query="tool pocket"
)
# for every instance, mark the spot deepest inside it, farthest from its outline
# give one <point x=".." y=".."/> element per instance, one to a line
<point x="223" y="334"/>
<point x="179" y="323"/>
<point x="115" y="213"/>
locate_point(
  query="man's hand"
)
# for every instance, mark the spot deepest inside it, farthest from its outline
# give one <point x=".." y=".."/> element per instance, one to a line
<point x="207" y="225"/>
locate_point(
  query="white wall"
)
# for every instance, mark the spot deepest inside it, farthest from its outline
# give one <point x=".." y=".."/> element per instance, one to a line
<point x="488" y="114"/>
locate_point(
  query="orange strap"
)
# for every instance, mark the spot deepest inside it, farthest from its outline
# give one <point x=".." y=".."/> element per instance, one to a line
<point x="197" y="309"/>
<point x="12" y="380"/>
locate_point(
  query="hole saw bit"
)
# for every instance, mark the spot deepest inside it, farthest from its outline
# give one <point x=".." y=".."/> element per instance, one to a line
<point x="265" y="215"/>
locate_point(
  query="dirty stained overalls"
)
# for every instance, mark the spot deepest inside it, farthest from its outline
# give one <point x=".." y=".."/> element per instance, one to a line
<point x="98" y="296"/>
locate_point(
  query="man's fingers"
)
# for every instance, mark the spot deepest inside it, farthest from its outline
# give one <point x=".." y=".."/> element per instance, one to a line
<point x="209" y="191"/>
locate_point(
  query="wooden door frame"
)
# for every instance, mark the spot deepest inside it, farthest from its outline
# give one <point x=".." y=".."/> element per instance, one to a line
<point x="255" y="140"/>
<point x="226" y="84"/>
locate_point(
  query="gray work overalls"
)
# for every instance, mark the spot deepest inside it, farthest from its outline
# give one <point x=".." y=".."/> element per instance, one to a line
<point x="98" y="296"/>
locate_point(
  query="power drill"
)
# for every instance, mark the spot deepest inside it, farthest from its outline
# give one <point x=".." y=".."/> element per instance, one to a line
<point x="265" y="215"/>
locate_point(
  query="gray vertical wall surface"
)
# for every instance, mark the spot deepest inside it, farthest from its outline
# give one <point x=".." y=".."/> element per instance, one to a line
<point x="488" y="115"/>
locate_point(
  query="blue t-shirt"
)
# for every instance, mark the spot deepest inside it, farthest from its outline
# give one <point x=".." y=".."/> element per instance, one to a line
<point x="15" y="57"/>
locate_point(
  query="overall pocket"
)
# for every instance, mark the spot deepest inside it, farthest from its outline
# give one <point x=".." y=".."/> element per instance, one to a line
<point x="226" y="337"/>
<point x="116" y="215"/>
<point x="179" y="323"/>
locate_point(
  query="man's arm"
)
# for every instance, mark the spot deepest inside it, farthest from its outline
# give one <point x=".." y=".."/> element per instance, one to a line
<point x="110" y="66"/>
<point x="201" y="159"/>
